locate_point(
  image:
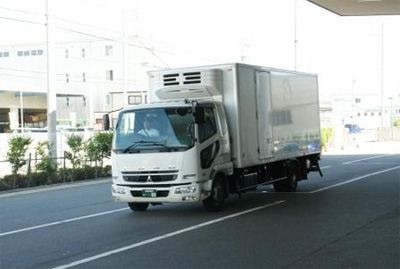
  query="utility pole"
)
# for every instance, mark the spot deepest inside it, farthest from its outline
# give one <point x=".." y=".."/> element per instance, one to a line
<point x="382" y="74"/>
<point x="124" y="79"/>
<point x="21" y="104"/>
<point x="391" y="118"/>
<point x="51" y="82"/>
<point x="295" y="35"/>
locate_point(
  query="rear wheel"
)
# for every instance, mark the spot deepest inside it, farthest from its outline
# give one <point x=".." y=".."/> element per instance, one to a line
<point x="138" y="206"/>
<point x="289" y="184"/>
<point x="215" y="201"/>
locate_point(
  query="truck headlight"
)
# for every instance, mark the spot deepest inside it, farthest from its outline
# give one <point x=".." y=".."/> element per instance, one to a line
<point x="184" y="190"/>
<point x="118" y="190"/>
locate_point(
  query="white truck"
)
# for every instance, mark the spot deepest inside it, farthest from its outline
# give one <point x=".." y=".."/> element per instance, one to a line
<point x="212" y="131"/>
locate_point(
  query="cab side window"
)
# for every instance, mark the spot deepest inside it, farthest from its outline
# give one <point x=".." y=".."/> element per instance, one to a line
<point x="209" y="127"/>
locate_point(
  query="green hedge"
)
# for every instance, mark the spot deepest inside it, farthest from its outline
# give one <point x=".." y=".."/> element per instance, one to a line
<point x="49" y="178"/>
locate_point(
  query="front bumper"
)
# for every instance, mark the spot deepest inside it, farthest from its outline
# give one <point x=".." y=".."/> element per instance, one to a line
<point x="148" y="194"/>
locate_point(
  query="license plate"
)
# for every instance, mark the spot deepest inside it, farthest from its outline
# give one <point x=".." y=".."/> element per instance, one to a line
<point x="149" y="193"/>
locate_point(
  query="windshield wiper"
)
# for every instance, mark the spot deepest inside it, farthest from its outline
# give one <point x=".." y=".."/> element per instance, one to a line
<point x="147" y="143"/>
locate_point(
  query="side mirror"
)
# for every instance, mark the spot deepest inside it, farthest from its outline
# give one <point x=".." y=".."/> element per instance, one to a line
<point x="106" y="122"/>
<point x="199" y="115"/>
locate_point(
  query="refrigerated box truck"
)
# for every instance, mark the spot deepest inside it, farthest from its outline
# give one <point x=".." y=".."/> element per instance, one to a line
<point x="212" y="131"/>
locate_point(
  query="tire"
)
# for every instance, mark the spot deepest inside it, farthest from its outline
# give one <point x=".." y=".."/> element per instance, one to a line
<point x="138" y="207"/>
<point x="289" y="184"/>
<point x="215" y="201"/>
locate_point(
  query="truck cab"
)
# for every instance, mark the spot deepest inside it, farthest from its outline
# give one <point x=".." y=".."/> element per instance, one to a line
<point x="185" y="146"/>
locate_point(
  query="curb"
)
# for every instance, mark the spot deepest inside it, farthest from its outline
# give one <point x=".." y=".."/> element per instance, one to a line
<point x="62" y="186"/>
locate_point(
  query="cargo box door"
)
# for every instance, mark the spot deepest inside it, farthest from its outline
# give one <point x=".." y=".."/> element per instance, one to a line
<point x="263" y="95"/>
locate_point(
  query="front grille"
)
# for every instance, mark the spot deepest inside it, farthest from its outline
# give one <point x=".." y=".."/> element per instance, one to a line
<point x="150" y="176"/>
<point x="159" y="193"/>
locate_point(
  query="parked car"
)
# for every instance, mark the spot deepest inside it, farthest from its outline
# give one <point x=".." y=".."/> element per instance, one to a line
<point x="353" y="128"/>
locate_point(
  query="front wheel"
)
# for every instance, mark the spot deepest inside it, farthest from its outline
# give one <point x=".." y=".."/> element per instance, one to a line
<point x="215" y="201"/>
<point x="138" y="206"/>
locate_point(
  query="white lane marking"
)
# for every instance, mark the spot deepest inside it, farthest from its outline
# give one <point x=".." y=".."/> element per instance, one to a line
<point x="326" y="167"/>
<point x="62" y="221"/>
<point x="158" y="238"/>
<point x="355" y="179"/>
<point x="360" y="160"/>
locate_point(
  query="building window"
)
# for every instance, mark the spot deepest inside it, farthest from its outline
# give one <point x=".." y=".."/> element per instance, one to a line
<point x="109" y="50"/>
<point x="68" y="101"/>
<point x="109" y="75"/>
<point x="66" y="54"/>
<point x="83" y="77"/>
<point x="358" y="100"/>
<point x="108" y="99"/>
<point x="135" y="99"/>
<point x="21" y="53"/>
<point x="83" y="53"/>
<point x="84" y="101"/>
<point x="67" y="77"/>
<point x="4" y="54"/>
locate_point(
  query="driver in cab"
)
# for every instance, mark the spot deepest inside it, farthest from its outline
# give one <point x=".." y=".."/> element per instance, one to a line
<point x="148" y="130"/>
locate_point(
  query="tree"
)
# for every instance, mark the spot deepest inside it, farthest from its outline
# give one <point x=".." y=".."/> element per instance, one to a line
<point x="396" y="122"/>
<point x="99" y="147"/>
<point x="16" y="153"/>
<point x="46" y="164"/>
<point x="75" y="156"/>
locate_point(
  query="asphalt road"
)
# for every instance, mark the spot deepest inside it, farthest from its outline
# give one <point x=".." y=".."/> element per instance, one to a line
<point x="347" y="219"/>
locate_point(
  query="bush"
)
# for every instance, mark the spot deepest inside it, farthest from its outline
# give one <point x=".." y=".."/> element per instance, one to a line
<point x="326" y="135"/>
<point x="99" y="147"/>
<point x="396" y="122"/>
<point x="46" y="164"/>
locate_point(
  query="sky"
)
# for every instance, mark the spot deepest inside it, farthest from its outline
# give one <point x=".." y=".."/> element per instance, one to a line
<point x="346" y="52"/>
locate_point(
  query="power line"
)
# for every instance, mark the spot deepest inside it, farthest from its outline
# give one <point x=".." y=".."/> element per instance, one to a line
<point x="87" y="25"/>
<point x="152" y="51"/>
<point x="21" y="11"/>
<point x="88" y="79"/>
<point x="20" y="20"/>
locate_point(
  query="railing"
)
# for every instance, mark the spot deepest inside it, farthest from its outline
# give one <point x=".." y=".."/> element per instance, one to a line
<point x="30" y="176"/>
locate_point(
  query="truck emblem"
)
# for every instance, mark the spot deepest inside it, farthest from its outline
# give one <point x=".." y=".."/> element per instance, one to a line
<point x="149" y="179"/>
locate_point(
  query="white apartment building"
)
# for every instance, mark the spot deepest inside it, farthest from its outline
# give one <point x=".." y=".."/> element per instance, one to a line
<point x="365" y="110"/>
<point x="90" y="80"/>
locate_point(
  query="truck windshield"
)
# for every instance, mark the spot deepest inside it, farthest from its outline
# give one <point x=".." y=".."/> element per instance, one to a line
<point x="160" y="129"/>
